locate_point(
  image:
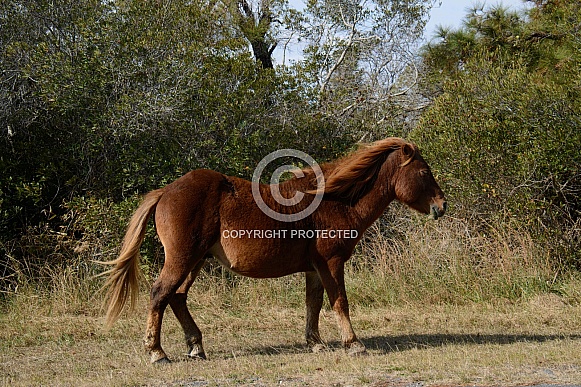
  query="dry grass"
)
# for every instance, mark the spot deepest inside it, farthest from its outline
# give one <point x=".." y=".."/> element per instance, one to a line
<point x="249" y="344"/>
<point x="409" y="258"/>
<point x="444" y="303"/>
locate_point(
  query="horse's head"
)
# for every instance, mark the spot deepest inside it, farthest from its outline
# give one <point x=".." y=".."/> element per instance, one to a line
<point x="402" y="172"/>
<point x="415" y="185"/>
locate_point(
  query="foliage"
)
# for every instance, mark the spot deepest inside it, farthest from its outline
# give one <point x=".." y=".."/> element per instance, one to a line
<point x="357" y="53"/>
<point x="108" y="99"/>
<point x="505" y="132"/>
<point x="103" y="101"/>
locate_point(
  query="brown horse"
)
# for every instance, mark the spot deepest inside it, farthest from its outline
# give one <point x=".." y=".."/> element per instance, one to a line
<point x="205" y="213"/>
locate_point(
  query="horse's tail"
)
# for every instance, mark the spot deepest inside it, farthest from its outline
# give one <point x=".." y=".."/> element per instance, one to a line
<point x="124" y="277"/>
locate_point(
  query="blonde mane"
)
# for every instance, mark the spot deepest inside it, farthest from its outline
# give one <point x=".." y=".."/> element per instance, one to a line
<point x="351" y="176"/>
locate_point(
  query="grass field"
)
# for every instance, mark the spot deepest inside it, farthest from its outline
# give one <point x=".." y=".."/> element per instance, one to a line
<point x="445" y="304"/>
<point x="507" y="343"/>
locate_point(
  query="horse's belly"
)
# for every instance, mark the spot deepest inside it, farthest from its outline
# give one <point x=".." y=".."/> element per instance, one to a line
<point x="259" y="259"/>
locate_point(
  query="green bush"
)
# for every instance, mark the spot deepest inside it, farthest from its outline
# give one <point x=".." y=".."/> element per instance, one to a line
<point x="111" y="99"/>
<point x="504" y="133"/>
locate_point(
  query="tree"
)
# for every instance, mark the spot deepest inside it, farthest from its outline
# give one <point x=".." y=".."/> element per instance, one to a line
<point x="504" y="132"/>
<point x="357" y="50"/>
<point x="256" y="27"/>
<point x="108" y="99"/>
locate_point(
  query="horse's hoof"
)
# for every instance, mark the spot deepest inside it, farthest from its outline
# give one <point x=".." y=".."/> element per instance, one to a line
<point x="196" y="351"/>
<point x="357" y="349"/>
<point x="319" y="347"/>
<point x="197" y="356"/>
<point x="163" y="360"/>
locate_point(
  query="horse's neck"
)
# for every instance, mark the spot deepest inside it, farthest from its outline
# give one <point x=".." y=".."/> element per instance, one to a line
<point x="373" y="203"/>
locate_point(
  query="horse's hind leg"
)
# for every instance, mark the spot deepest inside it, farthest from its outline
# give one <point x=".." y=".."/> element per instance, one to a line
<point x="314" y="303"/>
<point x="178" y="304"/>
<point x="172" y="275"/>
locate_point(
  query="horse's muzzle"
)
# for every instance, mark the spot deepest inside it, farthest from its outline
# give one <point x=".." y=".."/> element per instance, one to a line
<point x="438" y="210"/>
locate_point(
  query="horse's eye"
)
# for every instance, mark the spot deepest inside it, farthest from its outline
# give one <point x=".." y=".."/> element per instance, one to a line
<point x="423" y="172"/>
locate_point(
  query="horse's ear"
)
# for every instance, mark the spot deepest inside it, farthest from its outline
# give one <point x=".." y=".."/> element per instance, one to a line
<point x="409" y="152"/>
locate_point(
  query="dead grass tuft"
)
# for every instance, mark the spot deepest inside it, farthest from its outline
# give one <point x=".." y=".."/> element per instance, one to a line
<point x="409" y="259"/>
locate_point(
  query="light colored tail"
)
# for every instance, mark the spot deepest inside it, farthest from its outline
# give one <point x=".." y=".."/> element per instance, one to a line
<point x="124" y="277"/>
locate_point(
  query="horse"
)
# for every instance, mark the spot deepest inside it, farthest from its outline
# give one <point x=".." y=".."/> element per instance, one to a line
<point x="205" y="213"/>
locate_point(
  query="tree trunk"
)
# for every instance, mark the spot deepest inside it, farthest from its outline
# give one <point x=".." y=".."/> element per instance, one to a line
<point x="263" y="53"/>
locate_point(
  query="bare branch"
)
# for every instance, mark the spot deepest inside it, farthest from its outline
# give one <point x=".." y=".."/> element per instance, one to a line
<point x="352" y="35"/>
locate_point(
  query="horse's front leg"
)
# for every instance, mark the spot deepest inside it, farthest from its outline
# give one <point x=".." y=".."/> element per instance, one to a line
<point x="332" y="274"/>
<point x="314" y="303"/>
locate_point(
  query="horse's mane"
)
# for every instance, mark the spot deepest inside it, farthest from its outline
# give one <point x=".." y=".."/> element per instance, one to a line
<point x="352" y="176"/>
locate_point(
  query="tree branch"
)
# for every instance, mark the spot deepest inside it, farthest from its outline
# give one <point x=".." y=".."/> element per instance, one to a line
<point x="343" y="54"/>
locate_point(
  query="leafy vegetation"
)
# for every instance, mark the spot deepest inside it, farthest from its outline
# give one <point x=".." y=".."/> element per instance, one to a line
<point x="504" y="132"/>
<point x="101" y="102"/>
